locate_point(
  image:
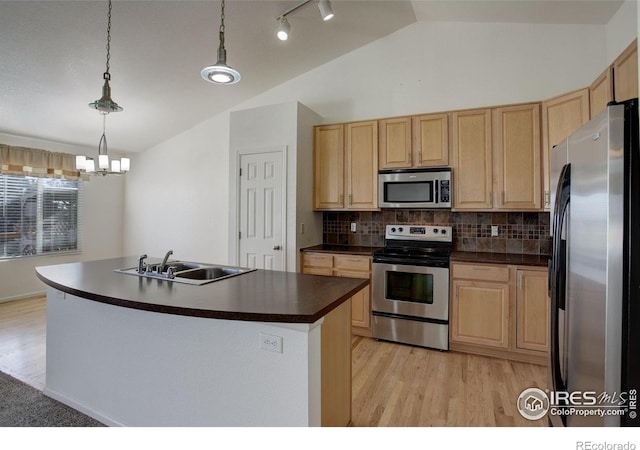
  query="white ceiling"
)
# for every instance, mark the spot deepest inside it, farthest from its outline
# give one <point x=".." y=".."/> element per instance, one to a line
<point x="52" y="56"/>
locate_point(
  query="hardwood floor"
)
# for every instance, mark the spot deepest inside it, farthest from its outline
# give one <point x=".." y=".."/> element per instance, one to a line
<point x="403" y="386"/>
<point x="23" y="325"/>
<point x="393" y="385"/>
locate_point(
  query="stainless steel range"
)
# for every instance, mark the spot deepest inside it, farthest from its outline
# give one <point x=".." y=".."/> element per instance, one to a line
<point x="410" y="286"/>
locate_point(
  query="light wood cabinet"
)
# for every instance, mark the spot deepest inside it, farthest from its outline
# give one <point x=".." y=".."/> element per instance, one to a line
<point x="500" y="310"/>
<point x="394" y="146"/>
<point x="625" y="73"/>
<point x="328" y="167"/>
<point x="601" y="92"/>
<point x="350" y="266"/>
<point x="346" y="166"/>
<point x="413" y="142"/>
<point x="471" y="159"/>
<point x="532" y="310"/>
<point x="496" y="159"/>
<point x="517" y="157"/>
<point x="480" y="309"/>
<point x="561" y="116"/>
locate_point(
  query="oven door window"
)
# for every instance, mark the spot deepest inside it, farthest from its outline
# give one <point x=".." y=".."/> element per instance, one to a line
<point x="409" y="287"/>
<point x="408" y="192"/>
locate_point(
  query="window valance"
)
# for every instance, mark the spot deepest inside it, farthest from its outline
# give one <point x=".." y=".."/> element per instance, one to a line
<point x="35" y="162"/>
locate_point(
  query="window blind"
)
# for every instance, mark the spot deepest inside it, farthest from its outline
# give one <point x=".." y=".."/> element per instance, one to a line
<point x="39" y="216"/>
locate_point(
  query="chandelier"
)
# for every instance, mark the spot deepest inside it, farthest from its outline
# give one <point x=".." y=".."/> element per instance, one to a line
<point x="104" y="105"/>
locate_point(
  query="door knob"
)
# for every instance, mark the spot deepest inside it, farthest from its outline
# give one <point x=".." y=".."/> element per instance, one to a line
<point x="277" y="247"/>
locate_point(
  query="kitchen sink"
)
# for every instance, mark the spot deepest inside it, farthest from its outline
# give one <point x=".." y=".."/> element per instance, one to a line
<point x="187" y="272"/>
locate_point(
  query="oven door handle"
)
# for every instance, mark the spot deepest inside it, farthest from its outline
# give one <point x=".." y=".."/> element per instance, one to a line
<point x="436" y="193"/>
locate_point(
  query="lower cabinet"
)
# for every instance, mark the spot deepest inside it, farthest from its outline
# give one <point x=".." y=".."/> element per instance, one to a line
<point x="350" y="266"/>
<point x="500" y="310"/>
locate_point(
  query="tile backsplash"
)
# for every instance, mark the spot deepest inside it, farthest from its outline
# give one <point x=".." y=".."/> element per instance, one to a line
<point x="518" y="232"/>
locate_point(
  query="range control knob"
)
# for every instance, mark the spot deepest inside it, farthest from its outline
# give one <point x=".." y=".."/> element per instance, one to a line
<point x="435" y="230"/>
<point x="443" y="231"/>
<point x="393" y="230"/>
<point x="400" y="229"/>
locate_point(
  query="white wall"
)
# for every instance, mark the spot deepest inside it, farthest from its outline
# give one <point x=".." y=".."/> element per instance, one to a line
<point x="103" y="226"/>
<point x="178" y="195"/>
<point x="285" y="125"/>
<point x="621" y="29"/>
<point x="424" y="67"/>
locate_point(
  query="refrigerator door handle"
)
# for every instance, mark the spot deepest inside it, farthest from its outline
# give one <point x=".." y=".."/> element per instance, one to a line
<point x="558" y="276"/>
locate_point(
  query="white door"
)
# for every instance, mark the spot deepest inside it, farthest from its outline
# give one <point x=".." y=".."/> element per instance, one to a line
<point x="262" y="186"/>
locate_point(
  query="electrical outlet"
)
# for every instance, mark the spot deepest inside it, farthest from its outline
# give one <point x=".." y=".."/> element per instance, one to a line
<point x="353" y="227"/>
<point x="271" y="343"/>
<point x="494" y="230"/>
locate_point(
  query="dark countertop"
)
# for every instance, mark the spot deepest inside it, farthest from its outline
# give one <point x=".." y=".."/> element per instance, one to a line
<point x="346" y="249"/>
<point x="500" y="258"/>
<point x="262" y="295"/>
<point x="473" y="257"/>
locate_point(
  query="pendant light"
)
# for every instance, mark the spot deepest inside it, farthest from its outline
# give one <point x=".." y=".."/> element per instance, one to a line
<point x="105" y="105"/>
<point x="220" y="72"/>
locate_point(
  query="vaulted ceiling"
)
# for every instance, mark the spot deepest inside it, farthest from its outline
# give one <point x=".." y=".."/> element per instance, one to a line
<point x="52" y="55"/>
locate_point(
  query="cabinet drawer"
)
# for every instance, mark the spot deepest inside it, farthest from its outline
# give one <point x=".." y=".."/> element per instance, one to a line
<point x="351" y="262"/>
<point x="317" y="260"/>
<point x="480" y="272"/>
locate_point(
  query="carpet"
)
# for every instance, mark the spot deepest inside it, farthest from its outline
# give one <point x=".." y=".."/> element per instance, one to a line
<point x="24" y="406"/>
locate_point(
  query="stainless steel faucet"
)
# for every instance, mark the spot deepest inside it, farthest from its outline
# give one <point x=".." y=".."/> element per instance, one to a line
<point x="141" y="264"/>
<point x="164" y="261"/>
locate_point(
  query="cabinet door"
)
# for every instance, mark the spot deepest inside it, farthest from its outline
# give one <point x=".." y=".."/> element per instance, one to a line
<point x="532" y="310"/>
<point x="360" y="302"/>
<point x="328" y="163"/>
<point x="561" y="116"/>
<point x="625" y="73"/>
<point x="471" y="155"/>
<point x="430" y="140"/>
<point x="394" y="144"/>
<point x="517" y="157"/>
<point x="362" y="165"/>
<point x="480" y="313"/>
<point x="600" y="92"/>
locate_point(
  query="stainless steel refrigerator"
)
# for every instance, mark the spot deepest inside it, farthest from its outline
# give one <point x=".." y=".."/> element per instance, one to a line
<point x="594" y="276"/>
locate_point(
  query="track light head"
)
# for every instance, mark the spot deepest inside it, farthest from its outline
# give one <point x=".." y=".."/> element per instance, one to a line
<point x="283" y="29"/>
<point x="325" y="10"/>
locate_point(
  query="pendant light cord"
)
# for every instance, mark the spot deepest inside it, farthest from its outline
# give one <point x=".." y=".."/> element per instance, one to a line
<point x="221" y="25"/>
<point x="107" y="75"/>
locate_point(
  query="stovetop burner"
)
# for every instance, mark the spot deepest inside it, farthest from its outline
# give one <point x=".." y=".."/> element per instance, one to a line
<point x="420" y="245"/>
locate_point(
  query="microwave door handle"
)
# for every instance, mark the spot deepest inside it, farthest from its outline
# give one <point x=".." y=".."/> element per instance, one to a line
<point x="436" y="193"/>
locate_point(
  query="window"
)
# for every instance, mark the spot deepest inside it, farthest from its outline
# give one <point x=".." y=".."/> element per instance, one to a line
<point x="39" y="216"/>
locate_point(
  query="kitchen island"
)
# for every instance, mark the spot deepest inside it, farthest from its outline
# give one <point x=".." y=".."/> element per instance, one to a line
<point x="264" y="348"/>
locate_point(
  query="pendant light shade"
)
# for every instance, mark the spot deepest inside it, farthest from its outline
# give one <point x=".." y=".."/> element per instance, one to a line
<point x="220" y="72"/>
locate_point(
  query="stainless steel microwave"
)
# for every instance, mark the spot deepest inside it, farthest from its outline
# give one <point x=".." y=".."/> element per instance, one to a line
<point x="415" y="188"/>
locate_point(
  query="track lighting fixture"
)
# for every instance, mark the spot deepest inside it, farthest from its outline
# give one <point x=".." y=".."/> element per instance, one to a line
<point x="283" y="29"/>
<point x="283" y="24"/>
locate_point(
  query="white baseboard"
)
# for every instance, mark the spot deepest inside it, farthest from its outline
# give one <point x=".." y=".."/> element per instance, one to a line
<point x="81" y="408"/>
<point x="22" y="296"/>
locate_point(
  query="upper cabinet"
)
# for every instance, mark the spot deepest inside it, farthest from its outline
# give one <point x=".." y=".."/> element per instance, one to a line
<point x="361" y="170"/>
<point x="517" y="157"/>
<point x="346" y="166"/>
<point x="601" y="92"/>
<point x="328" y="167"/>
<point x="419" y="141"/>
<point x="625" y="74"/>
<point x="561" y="116"/>
<point x="471" y="159"/>
<point x="496" y="158"/>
